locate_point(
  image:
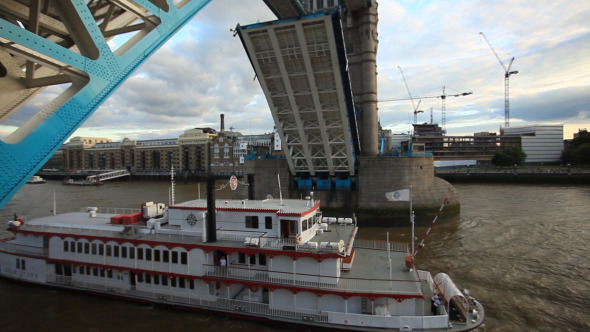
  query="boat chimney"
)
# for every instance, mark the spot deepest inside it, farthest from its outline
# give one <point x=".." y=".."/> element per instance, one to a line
<point x="211" y="220"/>
<point x="211" y="231"/>
<point x="222" y="123"/>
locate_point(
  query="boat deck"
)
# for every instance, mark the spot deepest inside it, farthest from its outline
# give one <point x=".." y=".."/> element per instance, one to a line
<point x="373" y="270"/>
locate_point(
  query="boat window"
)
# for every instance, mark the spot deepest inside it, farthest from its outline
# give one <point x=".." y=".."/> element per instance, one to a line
<point x="65" y="246"/>
<point x="156" y="255"/>
<point x="123" y="252"/>
<point x="164" y="281"/>
<point x="110" y="273"/>
<point x="251" y="221"/>
<point x="268" y="222"/>
<point x="181" y="283"/>
<point x="241" y="258"/>
<point x="139" y="253"/>
<point x="101" y="249"/>
<point x="156" y="280"/>
<point x="148" y="278"/>
<point x="116" y="251"/>
<point x="86" y="248"/>
<point x="94" y="249"/>
<point x="183" y="258"/>
<point x="148" y="254"/>
<point x="174" y="257"/>
<point x="261" y="259"/>
<point x="303" y="225"/>
<point x="165" y="254"/>
<point x="80" y="250"/>
<point x="132" y="253"/>
<point x="109" y="250"/>
<point x="73" y="246"/>
<point x="253" y="260"/>
<point x="173" y="281"/>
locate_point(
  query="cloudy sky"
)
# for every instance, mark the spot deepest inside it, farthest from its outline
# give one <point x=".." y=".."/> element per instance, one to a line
<point x="203" y="70"/>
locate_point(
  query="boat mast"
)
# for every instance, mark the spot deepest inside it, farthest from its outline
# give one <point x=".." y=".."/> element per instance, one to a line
<point x="172" y="185"/>
<point x="412" y="219"/>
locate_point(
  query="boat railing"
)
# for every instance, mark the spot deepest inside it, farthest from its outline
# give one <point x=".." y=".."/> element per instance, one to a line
<point x="259" y="309"/>
<point x="87" y="229"/>
<point x="110" y="210"/>
<point x="388" y="322"/>
<point x="381" y="245"/>
<point x="193" y="299"/>
<point x="237" y="236"/>
<point x="276" y="243"/>
<point x="315" y="280"/>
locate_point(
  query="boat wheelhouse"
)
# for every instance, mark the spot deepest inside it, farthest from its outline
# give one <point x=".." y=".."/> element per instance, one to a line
<point x="278" y="260"/>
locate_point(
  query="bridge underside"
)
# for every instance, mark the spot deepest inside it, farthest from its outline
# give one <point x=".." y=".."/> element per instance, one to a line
<point x="65" y="43"/>
<point x="302" y="68"/>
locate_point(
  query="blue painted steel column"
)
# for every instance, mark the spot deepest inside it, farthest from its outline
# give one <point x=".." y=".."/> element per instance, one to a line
<point x="21" y="160"/>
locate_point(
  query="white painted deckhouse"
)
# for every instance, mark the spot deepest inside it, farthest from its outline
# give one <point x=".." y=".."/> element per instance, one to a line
<point x="284" y="262"/>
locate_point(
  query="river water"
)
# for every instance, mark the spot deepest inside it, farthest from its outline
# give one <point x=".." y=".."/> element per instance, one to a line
<point x="521" y="250"/>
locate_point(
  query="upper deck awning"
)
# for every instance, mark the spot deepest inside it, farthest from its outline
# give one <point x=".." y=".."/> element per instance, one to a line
<point x="302" y="67"/>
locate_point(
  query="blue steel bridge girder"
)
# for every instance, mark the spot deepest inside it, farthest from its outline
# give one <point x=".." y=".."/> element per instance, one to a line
<point x="66" y="41"/>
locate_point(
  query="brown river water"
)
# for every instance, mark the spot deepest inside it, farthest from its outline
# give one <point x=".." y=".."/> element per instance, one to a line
<point x="521" y="250"/>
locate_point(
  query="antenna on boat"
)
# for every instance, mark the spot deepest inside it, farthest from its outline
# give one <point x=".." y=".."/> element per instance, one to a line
<point x="54" y="204"/>
<point x="412" y="219"/>
<point x="172" y="185"/>
<point x="280" y="192"/>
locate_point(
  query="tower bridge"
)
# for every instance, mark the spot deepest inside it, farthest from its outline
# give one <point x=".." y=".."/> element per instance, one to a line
<point x="301" y="65"/>
<point x="316" y="65"/>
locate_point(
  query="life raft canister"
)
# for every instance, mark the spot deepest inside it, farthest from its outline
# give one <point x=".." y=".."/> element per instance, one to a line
<point x="409" y="261"/>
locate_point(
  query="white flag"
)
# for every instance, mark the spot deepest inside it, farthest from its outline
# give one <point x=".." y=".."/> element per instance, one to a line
<point x="398" y="195"/>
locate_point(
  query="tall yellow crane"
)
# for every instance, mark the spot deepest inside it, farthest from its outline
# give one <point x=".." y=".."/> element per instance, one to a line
<point x="507" y="74"/>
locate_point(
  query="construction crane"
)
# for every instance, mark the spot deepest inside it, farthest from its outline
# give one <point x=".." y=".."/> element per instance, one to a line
<point x="507" y="74"/>
<point x="443" y="98"/>
<point x="414" y="106"/>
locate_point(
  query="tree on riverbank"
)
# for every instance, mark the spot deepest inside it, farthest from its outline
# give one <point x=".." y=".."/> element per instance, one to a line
<point x="509" y="157"/>
<point x="578" y="151"/>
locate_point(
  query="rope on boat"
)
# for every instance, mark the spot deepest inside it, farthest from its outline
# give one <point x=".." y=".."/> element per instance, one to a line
<point x="421" y="245"/>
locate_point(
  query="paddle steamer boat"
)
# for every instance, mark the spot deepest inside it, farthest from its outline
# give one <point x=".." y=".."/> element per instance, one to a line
<point x="274" y="259"/>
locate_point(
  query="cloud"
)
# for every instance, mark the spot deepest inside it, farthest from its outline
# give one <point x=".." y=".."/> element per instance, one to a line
<point x="438" y="44"/>
<point x="203" y="70"/>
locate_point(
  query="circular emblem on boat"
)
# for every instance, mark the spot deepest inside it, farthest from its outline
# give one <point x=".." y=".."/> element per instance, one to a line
<point x="233" y="182"/>
<point x="191" y="220"/>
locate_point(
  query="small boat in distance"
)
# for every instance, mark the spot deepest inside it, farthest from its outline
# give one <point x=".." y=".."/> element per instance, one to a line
<point x="71" y="182"/>
<point x="36" y="180"/>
